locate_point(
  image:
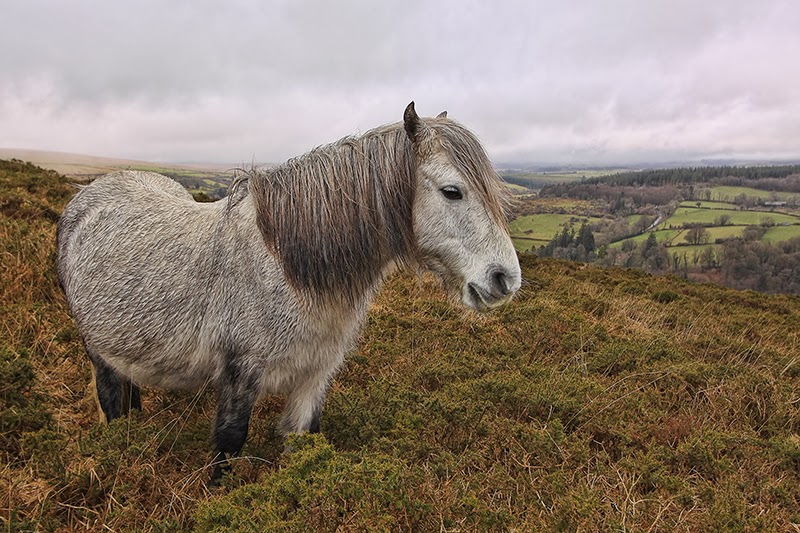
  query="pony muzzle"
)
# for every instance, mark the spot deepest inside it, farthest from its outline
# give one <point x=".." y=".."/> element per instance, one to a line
<point x="497" y="289"/>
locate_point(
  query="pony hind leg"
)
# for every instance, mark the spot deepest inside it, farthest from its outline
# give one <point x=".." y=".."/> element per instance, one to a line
<point x="107" y="389"/>
<point x="115" y="396"/>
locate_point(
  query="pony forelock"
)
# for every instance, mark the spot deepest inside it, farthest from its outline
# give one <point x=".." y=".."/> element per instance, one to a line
<point x="470" y="159"/>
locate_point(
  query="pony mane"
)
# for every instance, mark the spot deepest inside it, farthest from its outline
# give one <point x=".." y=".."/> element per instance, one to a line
<point x="337" y="216"/>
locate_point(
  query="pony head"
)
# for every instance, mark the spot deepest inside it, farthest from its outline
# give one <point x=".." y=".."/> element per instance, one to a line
<point x="458" y="213"/>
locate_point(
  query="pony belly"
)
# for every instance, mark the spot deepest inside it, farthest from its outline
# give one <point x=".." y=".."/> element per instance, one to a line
<point x="184" y="380"/>
<point x="166" y="370"/>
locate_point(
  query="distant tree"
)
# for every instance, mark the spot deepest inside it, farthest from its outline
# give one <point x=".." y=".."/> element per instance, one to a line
<point x="753" y="233"/>
<point x="566" y="244"/>
<point x="655" y="257"/>
<point x="566" y="237"/>
<point x="633" y="260"/>
<point x="644" y="222"/>
<point x="708" y="258"/>
<point x="650" y="243"/>
<point x="722" y="220"/>
<point x="628" y="245"/>
<point x="697" y="235"/>
<point x="586" y="238"/>
<point x="200" y="196"/>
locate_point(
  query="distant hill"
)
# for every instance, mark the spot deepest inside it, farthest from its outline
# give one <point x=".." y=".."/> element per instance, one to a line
<point x="209" y="178"/>
<point x="681" y="176"/>
<point x="81" y="165"/>
<point x="67" y="164"/>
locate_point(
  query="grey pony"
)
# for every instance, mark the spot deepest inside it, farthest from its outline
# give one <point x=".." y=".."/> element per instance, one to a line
<point x="265" y="291"/>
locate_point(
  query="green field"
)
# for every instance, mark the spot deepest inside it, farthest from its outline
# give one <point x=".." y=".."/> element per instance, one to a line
<point x="577" y="175"/>
<point x="692" y="250"/>
<point x="724" y="232"/>
<point x="524" y="245"/>
<point x="664" y="235"/>
<point x="708" y="205"/>
<point x="781" y="233"/>
<point x="675" y="237"/>
<point x="538" y="179"/>
<point x="693" y="215"/>
<point x="517" y="189"/>
<point x="728" y="193"/>
<point x="633" y="219"/>
<point x="572" y="205"/>
<point x="560" y="176"/>
<point x="543" y="226"/>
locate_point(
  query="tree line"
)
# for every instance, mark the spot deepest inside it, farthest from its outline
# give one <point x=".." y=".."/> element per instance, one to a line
<point x="625" y="193"/>
<point x="621" y="199"/>
<point x="692" y="175"/>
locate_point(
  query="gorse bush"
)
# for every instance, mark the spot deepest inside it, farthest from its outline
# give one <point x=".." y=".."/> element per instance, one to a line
<point x="600" y="399"/>
<point x="318" y="488"/>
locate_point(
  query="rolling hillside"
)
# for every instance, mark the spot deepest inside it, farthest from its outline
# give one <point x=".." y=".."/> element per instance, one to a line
<point x="197" y="178"/>
<point x="600" y="399"/>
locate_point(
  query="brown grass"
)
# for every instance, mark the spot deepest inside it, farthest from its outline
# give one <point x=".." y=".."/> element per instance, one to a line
<point x="601" y="399"/>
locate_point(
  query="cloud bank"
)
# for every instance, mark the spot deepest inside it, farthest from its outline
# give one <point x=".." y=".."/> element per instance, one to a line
<point x="574" y="83"/>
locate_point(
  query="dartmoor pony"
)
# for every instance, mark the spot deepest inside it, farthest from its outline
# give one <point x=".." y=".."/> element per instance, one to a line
<point x="266" y="290"/>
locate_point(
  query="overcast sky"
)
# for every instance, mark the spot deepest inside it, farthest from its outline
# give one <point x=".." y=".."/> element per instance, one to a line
<point x="577" y="82"/>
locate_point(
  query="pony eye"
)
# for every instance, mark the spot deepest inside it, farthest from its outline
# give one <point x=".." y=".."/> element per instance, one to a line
<point x="451" y="193"/>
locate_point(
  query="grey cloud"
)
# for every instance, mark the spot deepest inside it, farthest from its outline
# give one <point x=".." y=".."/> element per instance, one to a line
<point x="582" y="82"/>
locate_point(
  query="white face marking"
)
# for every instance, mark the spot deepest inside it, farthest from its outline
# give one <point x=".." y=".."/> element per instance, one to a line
<point x="460" y="241"/>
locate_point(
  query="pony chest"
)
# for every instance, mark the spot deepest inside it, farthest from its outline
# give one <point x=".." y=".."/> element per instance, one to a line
<point x="313" y="353"/>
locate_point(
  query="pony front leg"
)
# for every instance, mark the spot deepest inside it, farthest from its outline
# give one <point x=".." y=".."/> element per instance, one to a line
<point x="236" y="397"/>
<point x="304" y="405"/>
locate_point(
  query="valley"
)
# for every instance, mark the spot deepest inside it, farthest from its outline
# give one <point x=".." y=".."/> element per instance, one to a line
<point x="702" y="224"/>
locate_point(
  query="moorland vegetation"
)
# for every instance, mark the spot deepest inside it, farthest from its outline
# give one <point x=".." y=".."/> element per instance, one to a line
<point x="602" y="398"/>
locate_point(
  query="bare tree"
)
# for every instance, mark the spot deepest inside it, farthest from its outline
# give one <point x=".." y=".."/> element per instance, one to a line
<point x="697" y="235"/>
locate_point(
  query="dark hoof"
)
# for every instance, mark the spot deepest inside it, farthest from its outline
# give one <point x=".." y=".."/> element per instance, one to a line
<point x="221" y="469"/>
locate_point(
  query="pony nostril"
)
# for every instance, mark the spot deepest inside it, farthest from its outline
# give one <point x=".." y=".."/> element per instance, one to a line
<point x="500" y="281"/>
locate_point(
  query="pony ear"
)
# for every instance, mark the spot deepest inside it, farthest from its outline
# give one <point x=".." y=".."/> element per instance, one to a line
<point x="411" y="122"/>
<point x="416" y="129"/>
<point x="443" y="114"/>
